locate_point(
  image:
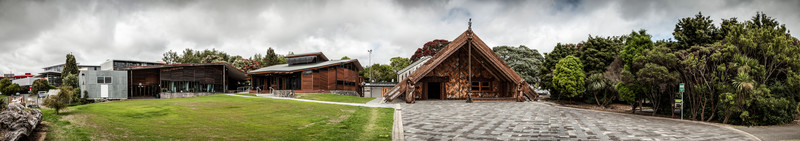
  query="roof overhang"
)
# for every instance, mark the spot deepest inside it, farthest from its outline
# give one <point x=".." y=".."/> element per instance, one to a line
<point x="233" y="72"/>
<point x="355" y="61"/>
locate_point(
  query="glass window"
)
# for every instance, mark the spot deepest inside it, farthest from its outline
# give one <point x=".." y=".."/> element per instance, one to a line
<point x="100" y="80"/>
<point x="481" y="86"/>
<point x="108" y="79"/>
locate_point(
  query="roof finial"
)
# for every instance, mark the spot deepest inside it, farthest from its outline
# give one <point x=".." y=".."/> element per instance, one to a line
<point x="470" y="24"/>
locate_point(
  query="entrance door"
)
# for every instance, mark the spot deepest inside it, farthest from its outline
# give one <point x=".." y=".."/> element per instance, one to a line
<point x="103" y="91"/>
<point x="434" y="90"/>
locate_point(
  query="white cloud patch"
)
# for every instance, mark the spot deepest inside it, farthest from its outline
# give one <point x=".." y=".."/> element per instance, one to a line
<point x="35" y="34"/>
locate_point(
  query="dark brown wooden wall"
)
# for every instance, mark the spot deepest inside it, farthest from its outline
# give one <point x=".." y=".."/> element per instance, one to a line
<point x="306" y="81"/>
<point x="321" y="80"/>
<point x="203" y="74"/>
<point x="457" y="86"/>
<point x="146" y="77"/>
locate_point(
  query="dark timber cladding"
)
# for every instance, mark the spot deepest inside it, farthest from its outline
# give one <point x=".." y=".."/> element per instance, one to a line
<point x="149" y="81"/>
<point x="308" y="73"/>
<point x="465" y="68"/>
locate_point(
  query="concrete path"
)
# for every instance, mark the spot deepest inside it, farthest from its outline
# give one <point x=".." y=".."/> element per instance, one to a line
<point x="774" y="133"/>
<point x="457" y="120"/>
<point x="327" y="102"/>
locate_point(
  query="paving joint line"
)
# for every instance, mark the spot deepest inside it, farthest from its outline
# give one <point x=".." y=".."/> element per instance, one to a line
<point x="751" y="136"/>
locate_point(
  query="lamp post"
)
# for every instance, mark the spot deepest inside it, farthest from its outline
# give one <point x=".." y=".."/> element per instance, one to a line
<point x="370" y="63"/>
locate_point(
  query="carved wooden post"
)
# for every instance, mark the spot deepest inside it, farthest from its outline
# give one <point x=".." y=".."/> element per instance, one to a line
<point x="519" y="93"/>
<point x="410" y="90"/>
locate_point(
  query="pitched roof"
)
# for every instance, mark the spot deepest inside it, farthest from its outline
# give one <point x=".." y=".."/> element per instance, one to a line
<point x="286" y="68"/>
<point x="468" y="37"/>
<point x="322" y="56"/>
<point x="135" y="61"/>
<point x="233" y="71"/>
<point x="412" y="65"/>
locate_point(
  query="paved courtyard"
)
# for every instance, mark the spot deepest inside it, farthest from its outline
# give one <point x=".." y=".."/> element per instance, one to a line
<point x="456" y="120"/>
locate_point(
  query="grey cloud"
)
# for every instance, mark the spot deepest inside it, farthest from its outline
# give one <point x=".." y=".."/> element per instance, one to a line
<point x="38" y="33"/>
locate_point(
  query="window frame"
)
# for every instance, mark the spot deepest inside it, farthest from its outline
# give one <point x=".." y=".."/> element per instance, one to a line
<point x="104" y="80"/>
<point x="481" y="86"/>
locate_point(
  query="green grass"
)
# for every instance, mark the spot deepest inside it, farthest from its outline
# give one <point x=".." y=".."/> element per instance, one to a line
<point x="334" y="98"/>
<point x="247" y="94"/>
<point x="220" y="117"/>
<point x="61" y="129"/>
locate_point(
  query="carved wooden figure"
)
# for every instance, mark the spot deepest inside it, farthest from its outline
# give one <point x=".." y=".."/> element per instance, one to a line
<point x="410" y="91"/>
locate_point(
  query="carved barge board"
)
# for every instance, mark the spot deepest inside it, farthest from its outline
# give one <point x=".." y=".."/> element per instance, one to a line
<point x="450" y="64"/>
<point x="456" y="85"/>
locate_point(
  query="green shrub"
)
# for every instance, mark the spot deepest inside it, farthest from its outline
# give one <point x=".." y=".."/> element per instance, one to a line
<point x="60" y="100"/>
<point x="568" y="76"/>
<point x="626" y="93"/>
<point x="772" y="111"/>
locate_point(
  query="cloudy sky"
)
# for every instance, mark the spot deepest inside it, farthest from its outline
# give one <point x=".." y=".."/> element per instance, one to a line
<point x="38" y="33"/>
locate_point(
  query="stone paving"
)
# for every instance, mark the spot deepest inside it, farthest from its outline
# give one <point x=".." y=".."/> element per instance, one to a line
<point x="457" y="120"/>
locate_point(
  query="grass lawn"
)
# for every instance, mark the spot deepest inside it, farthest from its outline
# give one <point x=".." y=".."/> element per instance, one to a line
<point x="247" y="94"/>
<point x="219" y="117"/>
<point x="334" y="98"/>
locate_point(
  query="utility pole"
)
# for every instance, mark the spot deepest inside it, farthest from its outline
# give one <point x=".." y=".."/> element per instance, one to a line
<point x="370" y="64"/>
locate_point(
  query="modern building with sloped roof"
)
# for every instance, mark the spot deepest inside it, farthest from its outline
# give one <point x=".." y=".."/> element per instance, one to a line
<point x="180" y="80"/>
<point x="405" y="72"/>
<point x="308" y="73"/>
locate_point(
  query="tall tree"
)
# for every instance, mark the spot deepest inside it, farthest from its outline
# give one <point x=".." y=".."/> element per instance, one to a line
<point x="70" y="66"/>
<point x="12" y="89"/>
<point x="213" y="58"/>
<point x="40" y="85"/>
<point x="258" y="57"/>
<point x="771" y="45"/>
<point x="246" y="65"/>
<point x="170" y="57"/>
<point x="379" y="72"/>
<point x="398" y="63"/>
<point x="597" y="53"/>
<point x="70" y="80"/>
<point x="189" y="56"/>
<point x="270" y="58"/>
<point x="546" y="69"/>
<point x="697" y="30"/>
<point x="523" y="60"/>
<point x="635" y="44"/>
<point x="345" y="58"/>
<point x="568" y="77"/>
<point x="429" y="49"/>
<point x="656" y="72"/>
<point x="5" y="82"/>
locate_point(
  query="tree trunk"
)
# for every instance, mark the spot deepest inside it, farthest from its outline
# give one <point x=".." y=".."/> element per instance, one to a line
<point x="710" y="117"/>
<point x="724" y="121"/>
<point x="598" y="102"/>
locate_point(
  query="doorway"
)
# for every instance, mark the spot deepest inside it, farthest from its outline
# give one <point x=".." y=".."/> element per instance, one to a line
<point x="434" y="90"/>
